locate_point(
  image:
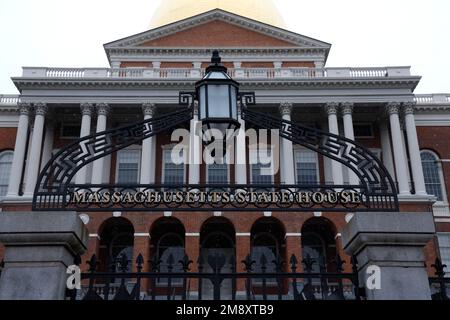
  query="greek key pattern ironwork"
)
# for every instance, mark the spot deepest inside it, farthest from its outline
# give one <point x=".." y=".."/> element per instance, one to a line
<point x="373" y="176"/>
<point x="61" y="169"/>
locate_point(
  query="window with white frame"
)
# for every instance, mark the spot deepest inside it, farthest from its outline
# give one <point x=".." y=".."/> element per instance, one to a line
<point x="444" y="248"/>
<point x="261" y="163"/>
<point x="173" y="169"/>
<point x="433" y="176"/>
<point x="6" y="159"/>
<point x="306" y="166"/>
<point x="128" y="166"/>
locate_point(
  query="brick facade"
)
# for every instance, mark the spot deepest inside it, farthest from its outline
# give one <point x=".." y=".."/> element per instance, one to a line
<point x="216" y="34"/>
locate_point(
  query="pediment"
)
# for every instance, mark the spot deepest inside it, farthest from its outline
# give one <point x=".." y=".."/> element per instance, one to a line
<point x="218" y="28"/>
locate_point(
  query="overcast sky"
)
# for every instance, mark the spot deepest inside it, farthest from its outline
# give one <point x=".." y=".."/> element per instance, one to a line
<point x="69" y="33"/>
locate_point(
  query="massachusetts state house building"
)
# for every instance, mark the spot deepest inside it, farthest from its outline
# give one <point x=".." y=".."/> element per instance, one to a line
<point x="288" y="72"/>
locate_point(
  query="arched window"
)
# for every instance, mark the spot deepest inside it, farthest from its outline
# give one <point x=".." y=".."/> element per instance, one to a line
<point x="318" y="242"/>
<point x="116" y="240"/>
<point x="432" y="172"/>
<point x="6" y="159"/>
<point x="268" y="242"/>
<point x="168" y="239"/>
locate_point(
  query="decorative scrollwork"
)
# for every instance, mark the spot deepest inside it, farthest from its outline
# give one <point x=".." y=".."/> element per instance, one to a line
<point x="247" y="98"/>
<point x="373" y="176"/>
<point x="58" y="173"/>
<point x="186" y="98"/>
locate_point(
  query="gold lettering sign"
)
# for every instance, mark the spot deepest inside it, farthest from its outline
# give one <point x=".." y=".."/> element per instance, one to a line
<point x="239" y="197"/>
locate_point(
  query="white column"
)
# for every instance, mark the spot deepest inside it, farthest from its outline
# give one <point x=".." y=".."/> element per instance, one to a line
<point x="48" y="144"/>
<point x="287" y="149"/>
<point x="195" y="149"/>
<point x="399" y="153"/>
<point x="240" y="159"/>
<point x="102" y="117"/>
<point x="19" y="151"/>
<point x="86" y="113"/>
<point x="414" y="150"/>
<point x="349" y="133"/>
<point x="148" y="155"/>
<point x="36" y="148"/>
<point x="386" y="147"/>
<point x="336" y="167"/>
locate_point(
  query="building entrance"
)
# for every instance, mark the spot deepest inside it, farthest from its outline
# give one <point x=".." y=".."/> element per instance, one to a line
<point x="218" y="251"/>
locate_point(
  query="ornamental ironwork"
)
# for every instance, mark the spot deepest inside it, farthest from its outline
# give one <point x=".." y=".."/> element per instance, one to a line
<point x="265" y="279"/>
<point x="55" y="190"/>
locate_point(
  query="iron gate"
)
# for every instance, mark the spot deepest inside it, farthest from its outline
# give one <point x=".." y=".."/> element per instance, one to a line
<point x="286" y="282"/>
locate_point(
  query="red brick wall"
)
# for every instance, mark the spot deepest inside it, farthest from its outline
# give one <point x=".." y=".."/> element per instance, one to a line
<point x="298" y="64"/>
<point x="7" y="138"/>
<point x="216" y="34"/>
<point x="135" y="64"/>
<point x="176" y="64"/>
<point x="436" y="139"/>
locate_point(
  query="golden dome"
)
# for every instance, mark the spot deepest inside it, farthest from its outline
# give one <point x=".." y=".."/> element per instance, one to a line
<point x="175" y="10"/>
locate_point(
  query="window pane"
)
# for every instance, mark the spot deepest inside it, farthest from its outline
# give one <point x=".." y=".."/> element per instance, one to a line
<point x="432" y="175"/>
<point x="306" y="167"/>
<point x="261" y="172"/>
<point x="5" y="171"/>
<point x="173" y="173"/>
<point x="218" y="173"/>
<point x="444" y="248"/>
<point x="128" y="166"/>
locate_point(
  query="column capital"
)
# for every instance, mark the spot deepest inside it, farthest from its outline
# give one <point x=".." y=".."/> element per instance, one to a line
<point x="347" y="108"/>
<point x="285" y="108"/>
<point x="24" y="108"/>
<point x="86" y="109"/>
<point x="331" y="108"/>
<point x="103" y="109"/>
<point x="149" y="109"/>
<point x="409" y="108"/>
<point x="393" y="108"/>
<point x="40" y="109"/>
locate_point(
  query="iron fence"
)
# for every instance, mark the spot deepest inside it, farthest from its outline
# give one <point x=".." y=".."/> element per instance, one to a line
<point x="440" y="285"/>
<point x="217" y="279"/>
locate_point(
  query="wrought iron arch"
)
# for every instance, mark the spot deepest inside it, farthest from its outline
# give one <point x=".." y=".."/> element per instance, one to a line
<point x="375" y="181"/>
<point x="54" y="183"/>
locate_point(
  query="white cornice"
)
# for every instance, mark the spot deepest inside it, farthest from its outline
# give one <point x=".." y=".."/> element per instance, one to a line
<point x="350" y="83"/>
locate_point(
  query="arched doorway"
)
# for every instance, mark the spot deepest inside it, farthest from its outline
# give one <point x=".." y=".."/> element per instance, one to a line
<point x="116" y="241"/>
<point x="168" y="247"/>
<point x="267" y="247"/>
<point x="319" y="244"/>
<point x="218" y="245"/>
<point x="268" y="243"/>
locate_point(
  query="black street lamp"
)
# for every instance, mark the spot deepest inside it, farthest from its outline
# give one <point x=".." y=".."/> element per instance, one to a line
<point x="217" y="95"/>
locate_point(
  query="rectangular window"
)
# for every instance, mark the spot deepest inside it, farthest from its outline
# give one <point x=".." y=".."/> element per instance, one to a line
<point x="173" y="173"/>
<point x="306" y="167"/>
<point x="261" y="171"/>
<point x="128" y="166"/>
<point x="363" y="130"/>
<point x="444" y="248"/>
<point x="217" y="173"/>
<point x="70" y="130"/>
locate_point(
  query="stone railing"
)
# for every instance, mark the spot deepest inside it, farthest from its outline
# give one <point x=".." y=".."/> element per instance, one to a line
<point x="432" y="98"/>
<point x="9" y="99"/>
<point x="196" y="73"/>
